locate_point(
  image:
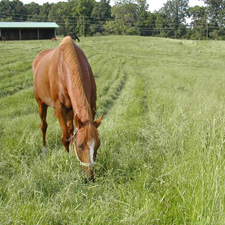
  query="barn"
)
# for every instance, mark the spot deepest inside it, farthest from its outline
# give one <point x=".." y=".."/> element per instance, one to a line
<point x="28" y="30"/>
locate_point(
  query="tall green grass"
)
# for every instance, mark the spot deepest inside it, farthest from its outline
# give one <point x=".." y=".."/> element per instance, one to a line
<point x="162" y="154"/>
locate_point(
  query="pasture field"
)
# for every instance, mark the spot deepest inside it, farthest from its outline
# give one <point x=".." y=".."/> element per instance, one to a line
<point x="162" y="154"/>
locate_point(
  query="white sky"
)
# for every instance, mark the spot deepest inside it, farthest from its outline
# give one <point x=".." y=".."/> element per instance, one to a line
<point x="153" y="4"/>
<point x="157" y="4"/>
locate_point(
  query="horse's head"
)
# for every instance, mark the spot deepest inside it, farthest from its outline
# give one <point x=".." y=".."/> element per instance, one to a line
<point x="86" y="144"/>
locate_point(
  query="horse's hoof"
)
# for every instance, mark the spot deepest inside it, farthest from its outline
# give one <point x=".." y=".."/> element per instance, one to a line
<point x="44" y="152"/>
<point x="87" y="180"/>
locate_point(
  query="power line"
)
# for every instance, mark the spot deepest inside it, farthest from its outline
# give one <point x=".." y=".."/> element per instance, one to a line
<point x="92" y="20"/>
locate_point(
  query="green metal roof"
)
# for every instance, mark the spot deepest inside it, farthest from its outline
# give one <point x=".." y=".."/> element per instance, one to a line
<point x="28" y="25"/>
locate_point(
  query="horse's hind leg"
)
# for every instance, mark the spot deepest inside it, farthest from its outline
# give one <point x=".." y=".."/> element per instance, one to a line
<point x="43" y="114"/>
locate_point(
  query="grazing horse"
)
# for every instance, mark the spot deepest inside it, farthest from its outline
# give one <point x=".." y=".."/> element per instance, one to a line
<point x="54" y="39"/>
<point x="74" y="37"/>
<point x="63" y="79"/>
<point x="2" y="39"/>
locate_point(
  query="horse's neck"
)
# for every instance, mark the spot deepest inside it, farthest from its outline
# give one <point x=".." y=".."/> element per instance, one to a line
<point x="83" y="110"/>
<point x="78" y="98"/>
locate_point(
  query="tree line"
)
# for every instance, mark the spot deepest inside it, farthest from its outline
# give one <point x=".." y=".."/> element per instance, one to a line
<point x="176" y="19"/>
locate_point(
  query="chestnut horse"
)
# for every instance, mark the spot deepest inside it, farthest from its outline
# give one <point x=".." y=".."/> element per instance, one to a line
<point x="74" y="37"/>
<point x="63" y="79"/>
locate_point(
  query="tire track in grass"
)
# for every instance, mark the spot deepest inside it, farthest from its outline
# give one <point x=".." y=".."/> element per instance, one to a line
<point x="124" y="122"/>
<point x="17" y="83"/>
<point x="27" y="83"/>
<point x="21" y="103"/>
<point x="11" y="56"/>
<point x="110" y="79"/>
<point x="112" y="93"/>
<point x="11" y="71"/>
<point x="11" y="62"/>
<point x="105" y="87"/>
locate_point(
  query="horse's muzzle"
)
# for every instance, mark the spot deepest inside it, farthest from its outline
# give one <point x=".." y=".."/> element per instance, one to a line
<point x="89" y="174"/>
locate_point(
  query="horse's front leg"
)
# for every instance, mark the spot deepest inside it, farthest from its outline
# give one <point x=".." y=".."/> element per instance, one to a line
<point x="70" y="126"/>
<point x="62" y="117"/>
<point x="43" y="114"/>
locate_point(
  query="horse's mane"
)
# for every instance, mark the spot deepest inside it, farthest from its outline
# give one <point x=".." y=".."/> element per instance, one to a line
<point x="70" y="56"/>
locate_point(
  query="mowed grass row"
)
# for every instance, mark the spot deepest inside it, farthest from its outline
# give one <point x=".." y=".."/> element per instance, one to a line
<point x="15" y="64"/>
<point x="161" y="159"/>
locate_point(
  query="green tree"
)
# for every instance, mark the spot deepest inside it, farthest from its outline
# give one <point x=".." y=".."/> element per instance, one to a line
<point x="33" y="11"/>
<point x="14" y="10"/>
<point x="100" y="14"/>
<point x="82" y="10"/>
<point x="61" y="14"/>
<point x="161" y="24"/>
<point x="125" y="18"/>
<point x="44" y="11"/>
<point x="199" y="23"/>
<point x="145" y="20"/>
<point x="147" y="25"/>
<point x="216" y="17"/>
<point x="176" y="12"/>
<point x="216" y="10"/>
<point x="5" y="9"/>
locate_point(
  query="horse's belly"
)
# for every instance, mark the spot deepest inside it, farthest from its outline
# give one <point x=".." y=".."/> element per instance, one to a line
<point x="49" y="102"/>
<point x="46" y="98"/>
<point x="65" y="100"/>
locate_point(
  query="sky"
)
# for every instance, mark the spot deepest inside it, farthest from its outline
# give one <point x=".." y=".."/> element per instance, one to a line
<point x="157" y="4"/>
<point x="153" y="4"/>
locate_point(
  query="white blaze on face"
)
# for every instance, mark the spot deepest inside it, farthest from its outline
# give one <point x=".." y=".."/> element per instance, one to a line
<point x="91" y="145"/>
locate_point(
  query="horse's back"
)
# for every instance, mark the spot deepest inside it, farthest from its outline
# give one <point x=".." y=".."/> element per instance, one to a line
<point x="41" y="70"/>
<point x="39" y="58"/>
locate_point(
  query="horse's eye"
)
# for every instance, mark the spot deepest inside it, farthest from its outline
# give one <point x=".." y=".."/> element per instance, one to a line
<point x="81" y="147"/>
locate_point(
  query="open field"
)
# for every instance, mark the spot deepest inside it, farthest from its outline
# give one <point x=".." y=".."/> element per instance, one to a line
<point x="162" y="154"/>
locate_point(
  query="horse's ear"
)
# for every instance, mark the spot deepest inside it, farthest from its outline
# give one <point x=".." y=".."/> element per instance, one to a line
<point x="98" y="121"/>
<point x="78" y="121"/>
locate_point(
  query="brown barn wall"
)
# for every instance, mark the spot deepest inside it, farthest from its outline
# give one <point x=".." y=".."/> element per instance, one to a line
<point x="46" y="33"/>
<point x="10" y="34"/>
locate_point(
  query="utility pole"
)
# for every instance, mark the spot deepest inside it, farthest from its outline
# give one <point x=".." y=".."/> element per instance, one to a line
<point x="207" y="31"/>
<point x="84" y="32"/>
<point x="20" y="35"/>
